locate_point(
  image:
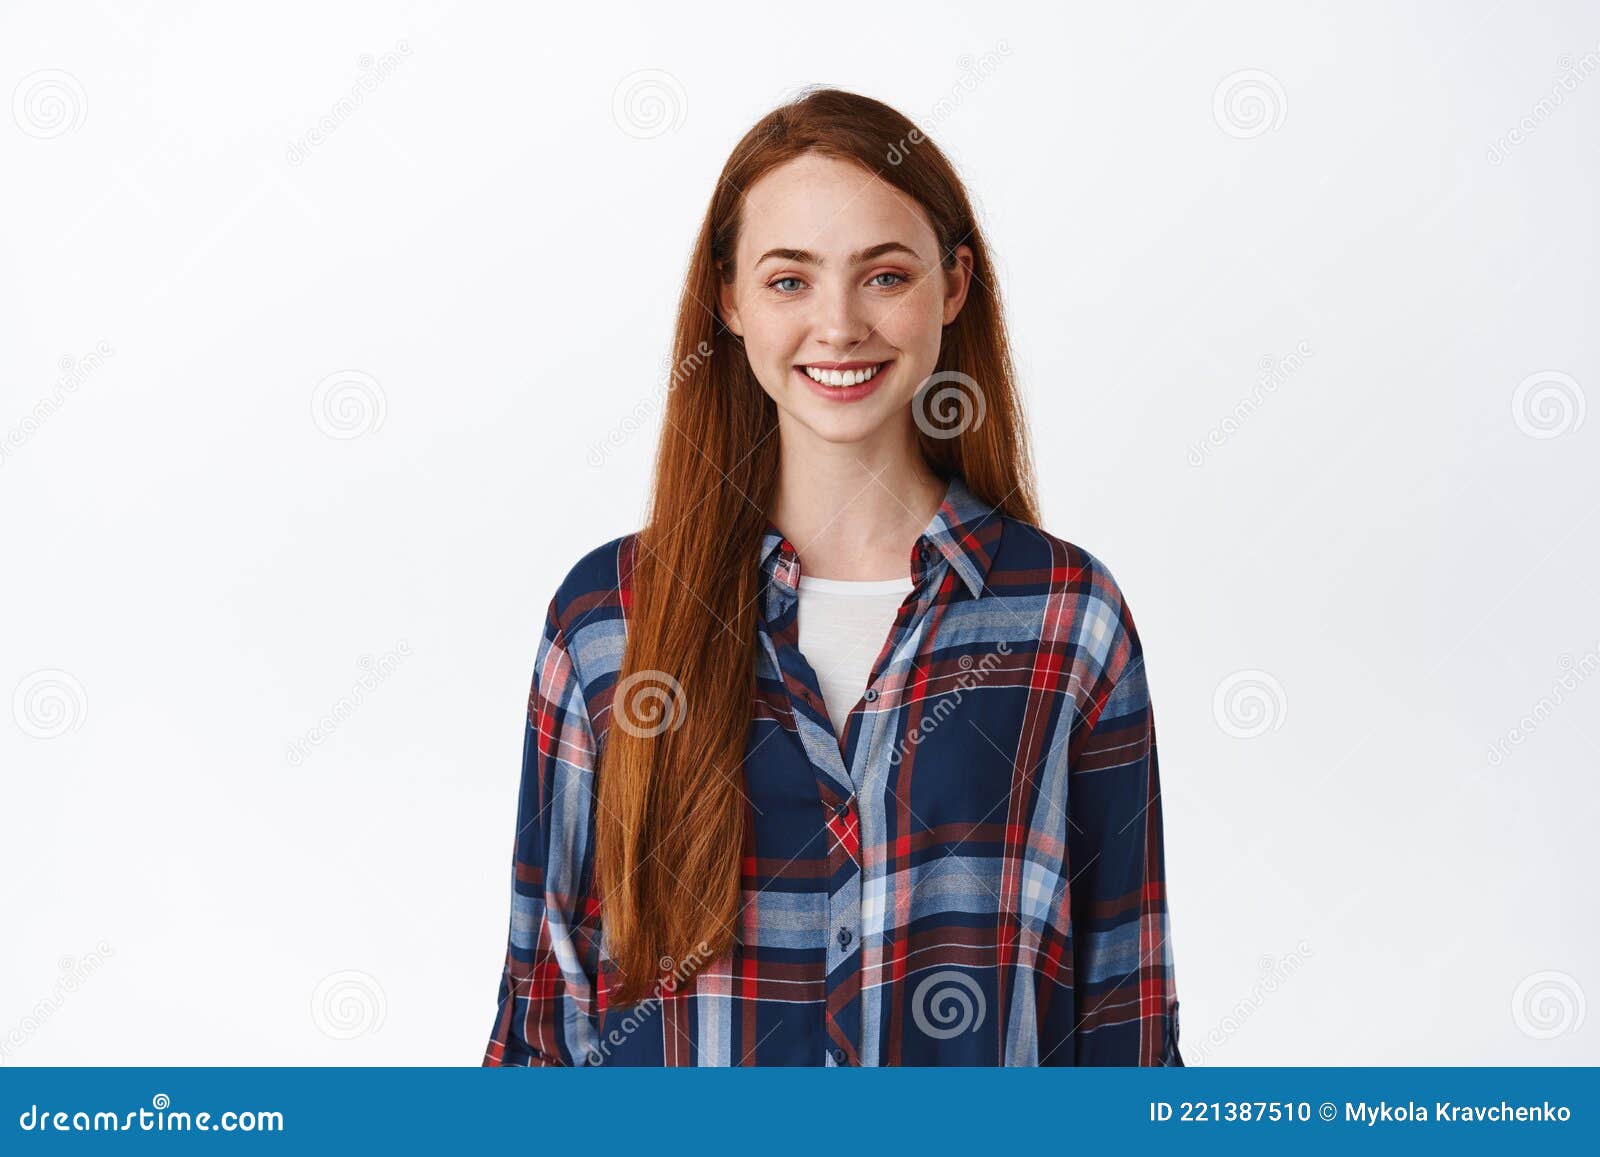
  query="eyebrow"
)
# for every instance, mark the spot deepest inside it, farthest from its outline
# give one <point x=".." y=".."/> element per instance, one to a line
<point x="806" y="257"/>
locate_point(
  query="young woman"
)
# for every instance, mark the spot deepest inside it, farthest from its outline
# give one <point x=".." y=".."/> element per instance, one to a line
<point x="840" y="759"/>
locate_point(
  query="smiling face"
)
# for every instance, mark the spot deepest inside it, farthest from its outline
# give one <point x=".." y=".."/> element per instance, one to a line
<point x="840" y="298"/>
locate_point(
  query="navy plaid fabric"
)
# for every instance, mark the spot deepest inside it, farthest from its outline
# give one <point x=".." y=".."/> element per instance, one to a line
<point x="972" y="874"/>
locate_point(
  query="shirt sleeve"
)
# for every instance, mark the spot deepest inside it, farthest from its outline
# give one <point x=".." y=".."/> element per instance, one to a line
<point x="547" y="987"/>
<point x="1127" y="1003"/>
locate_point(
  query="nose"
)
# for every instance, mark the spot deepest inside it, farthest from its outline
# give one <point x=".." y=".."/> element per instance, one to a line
<point x="840" y="322"/>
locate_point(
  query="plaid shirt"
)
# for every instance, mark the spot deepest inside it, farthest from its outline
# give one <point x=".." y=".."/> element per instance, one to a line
<point x="972" y="874"/>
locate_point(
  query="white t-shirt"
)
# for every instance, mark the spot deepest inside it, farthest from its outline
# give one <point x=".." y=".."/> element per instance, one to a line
<point x="843" y="625"/>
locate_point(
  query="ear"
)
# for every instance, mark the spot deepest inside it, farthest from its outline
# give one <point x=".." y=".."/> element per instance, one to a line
<point x="726" y="304"/>
<point x="957" y="281"/>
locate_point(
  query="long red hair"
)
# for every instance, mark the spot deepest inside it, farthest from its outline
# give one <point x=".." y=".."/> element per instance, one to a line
<point x="670" y="826"/>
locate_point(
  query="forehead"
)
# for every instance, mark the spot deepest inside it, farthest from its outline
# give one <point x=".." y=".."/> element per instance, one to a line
<point x="830" y="207"/>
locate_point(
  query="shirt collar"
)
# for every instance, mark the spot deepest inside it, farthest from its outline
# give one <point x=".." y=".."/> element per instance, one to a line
<point x="965" y="530"/>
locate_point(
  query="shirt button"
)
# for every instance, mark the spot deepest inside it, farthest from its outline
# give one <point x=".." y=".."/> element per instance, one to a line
<point x="838" y="1056"/>
<point x="842" y="810"/>
<point x="872" y="694"/>
<point x="844" y="938"/>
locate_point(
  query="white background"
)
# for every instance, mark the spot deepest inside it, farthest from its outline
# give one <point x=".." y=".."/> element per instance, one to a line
<point x="1399" y="550"/>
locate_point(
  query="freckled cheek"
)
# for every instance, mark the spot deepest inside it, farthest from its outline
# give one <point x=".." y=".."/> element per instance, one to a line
<point x="915" y="327"/>
<point x="772" y="338"/>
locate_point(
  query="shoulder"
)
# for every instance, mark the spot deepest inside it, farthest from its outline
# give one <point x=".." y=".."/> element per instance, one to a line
<point x="587" y="612"/>
<point x="595" y="577"/>
<point x="1032" y="561"/>
<point x="1072" y="597"/>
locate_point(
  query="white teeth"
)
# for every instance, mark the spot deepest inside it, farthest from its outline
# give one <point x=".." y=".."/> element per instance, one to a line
<point x="842" y="377"/>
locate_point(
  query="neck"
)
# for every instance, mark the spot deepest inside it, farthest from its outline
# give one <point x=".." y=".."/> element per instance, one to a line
<point x="852" y="512"/>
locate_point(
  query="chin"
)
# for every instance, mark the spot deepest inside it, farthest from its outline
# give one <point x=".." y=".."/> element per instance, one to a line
<point x="839" y="429"/>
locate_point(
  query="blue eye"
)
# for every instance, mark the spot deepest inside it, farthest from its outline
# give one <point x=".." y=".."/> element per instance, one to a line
<point x="898" y="278"/>
<point x="780" y="281"/>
